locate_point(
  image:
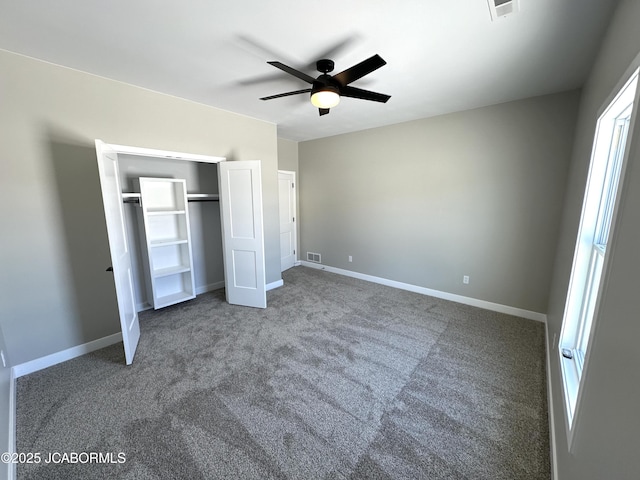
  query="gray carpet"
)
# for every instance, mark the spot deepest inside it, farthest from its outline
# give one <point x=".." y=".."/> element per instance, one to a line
<point x="337" y="379"/>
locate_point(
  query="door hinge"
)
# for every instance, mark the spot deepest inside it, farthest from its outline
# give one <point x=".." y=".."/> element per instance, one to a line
<point x="294" y="219"/>
<point x="294" y="251"/>
<point x="293" y="185"/>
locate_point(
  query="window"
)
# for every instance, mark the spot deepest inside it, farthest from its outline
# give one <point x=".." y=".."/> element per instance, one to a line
<point x="590" y="258"/>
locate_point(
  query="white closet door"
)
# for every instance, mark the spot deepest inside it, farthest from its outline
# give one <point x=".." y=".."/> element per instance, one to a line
<point x="119" y="247"/>
<point x="242" y="232"/>
<point x="287" y="204"/>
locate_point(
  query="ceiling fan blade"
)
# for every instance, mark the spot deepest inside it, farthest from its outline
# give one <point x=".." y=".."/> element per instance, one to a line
<point x="323" y="111"/>
<point x="293" y="71"/>
<point x="287" y="94"/>
<point x="360" y="70"/>
<point x="354" y="92"/>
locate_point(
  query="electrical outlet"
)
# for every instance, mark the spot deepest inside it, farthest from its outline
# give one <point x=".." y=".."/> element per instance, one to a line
<point x="350" y="258"/>
<point x="465" y="279"/>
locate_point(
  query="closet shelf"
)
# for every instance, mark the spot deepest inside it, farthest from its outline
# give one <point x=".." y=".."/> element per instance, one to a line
<point x="165" y="212"/>
<point x="163" y="272"/>
<point x="167" y="242"/>
<point x="172" y="299"/>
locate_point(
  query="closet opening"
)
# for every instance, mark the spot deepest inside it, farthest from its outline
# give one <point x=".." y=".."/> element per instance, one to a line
<point x="202" y="212"/>
<point x="179" y="225"/>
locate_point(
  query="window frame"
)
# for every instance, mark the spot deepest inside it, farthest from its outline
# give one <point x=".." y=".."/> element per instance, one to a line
<point x="596" y="229"/>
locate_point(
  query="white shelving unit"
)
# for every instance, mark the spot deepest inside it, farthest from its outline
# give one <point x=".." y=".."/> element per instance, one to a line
<point x="168" y="240"/>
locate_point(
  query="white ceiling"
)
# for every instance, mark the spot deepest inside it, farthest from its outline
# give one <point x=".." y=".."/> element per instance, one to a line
<point x="442" y="55"/>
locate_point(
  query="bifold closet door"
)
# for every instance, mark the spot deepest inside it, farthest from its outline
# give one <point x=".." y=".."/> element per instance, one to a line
<point x="119" y="247"/>
<point x="240" y="191"/>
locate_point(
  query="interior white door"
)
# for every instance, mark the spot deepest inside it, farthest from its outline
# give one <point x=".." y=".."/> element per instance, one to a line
<point x="287" y="205"/>
<point x="240" y="190"/>
<point x="119" y="247"/>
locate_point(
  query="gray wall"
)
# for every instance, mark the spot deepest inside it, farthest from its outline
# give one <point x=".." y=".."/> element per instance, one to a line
<point x="473" y="193"/>
<point x="606" y="440"/>
<point x="287" y="155"/>
<point x="55" y="291"/>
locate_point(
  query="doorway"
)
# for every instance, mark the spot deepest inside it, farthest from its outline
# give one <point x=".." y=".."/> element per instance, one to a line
<point x="287" y="207"/>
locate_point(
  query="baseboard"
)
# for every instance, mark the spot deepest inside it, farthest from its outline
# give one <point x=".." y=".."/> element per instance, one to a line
<point x="11" y="467"/>
<point x="276" y="284"/>
<point x="64" y="355"/>
<point x="550" y="410"/>
<point x="210" y="288"/>
<point x="496" y="307"/>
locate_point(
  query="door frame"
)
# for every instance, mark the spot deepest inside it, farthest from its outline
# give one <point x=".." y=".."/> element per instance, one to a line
<point x="295" y="213"/>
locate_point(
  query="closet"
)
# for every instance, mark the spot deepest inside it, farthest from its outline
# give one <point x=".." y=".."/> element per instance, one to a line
<point x="180" y="225"/>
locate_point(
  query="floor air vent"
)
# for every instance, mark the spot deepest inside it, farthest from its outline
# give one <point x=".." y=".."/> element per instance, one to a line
<point x="314" y="257"/>
<point x="502" y="8"/>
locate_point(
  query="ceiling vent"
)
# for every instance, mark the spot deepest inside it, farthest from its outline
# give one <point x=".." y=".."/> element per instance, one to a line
<point x="502" y="8"/>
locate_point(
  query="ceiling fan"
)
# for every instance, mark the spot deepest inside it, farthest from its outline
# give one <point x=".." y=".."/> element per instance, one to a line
<point x="326" y="90"/>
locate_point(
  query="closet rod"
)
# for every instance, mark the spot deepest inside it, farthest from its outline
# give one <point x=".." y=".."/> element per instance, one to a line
<point x="191" y="197"/>
<point x="202" y="199"/>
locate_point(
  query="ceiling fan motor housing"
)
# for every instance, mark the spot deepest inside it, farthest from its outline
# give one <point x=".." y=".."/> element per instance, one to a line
<point x="325" y="82"/>
<point x="325" y="65"/>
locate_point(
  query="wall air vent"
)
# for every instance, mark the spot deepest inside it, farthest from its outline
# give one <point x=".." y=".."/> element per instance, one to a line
<point x="314" y="257"/>
<point x="502" y="8"/>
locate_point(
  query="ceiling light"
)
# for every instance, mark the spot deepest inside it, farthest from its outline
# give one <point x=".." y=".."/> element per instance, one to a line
<point x="325" y="98"/>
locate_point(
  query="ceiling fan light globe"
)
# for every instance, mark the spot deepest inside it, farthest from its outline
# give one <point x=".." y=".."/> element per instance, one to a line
<point x="325" y="99"/>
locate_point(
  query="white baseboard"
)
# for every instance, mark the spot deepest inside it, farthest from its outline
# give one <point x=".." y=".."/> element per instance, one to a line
<point x="551" y="414"/>
<point x="210" y="288"/>
<point x="496" y="307"/>
<point x="276" y="284"/>
<point x="68" y="354"/>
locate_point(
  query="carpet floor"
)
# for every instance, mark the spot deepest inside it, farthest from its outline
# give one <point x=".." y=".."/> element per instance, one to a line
<point x="337" y="379"/>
